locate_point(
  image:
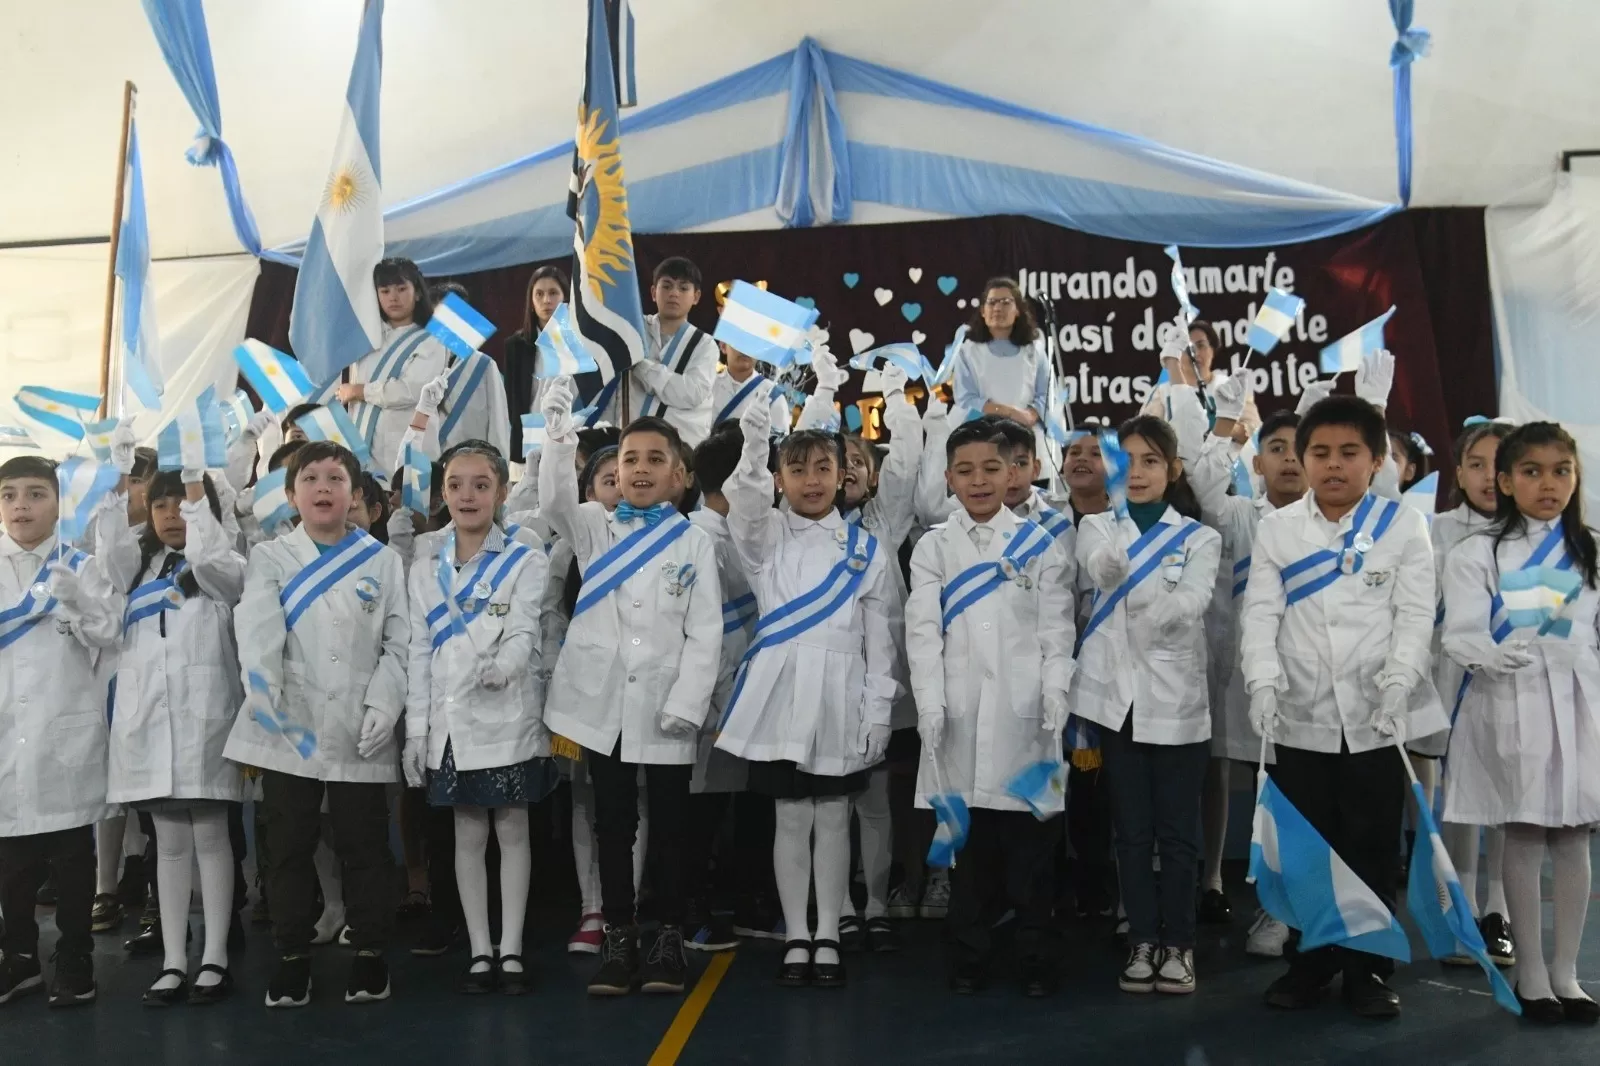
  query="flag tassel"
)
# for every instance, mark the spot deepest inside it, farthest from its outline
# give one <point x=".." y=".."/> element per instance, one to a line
<point x="129" y="91"/>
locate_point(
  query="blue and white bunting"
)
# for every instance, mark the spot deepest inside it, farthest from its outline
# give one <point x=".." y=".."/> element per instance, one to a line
<point x="533" y="434"/>
<point x="766" y="327"/>
<point x="271" y="507"/>
<point x="458" y="325"/>
<point x="82" y="484"/>
<point x="333" y="423"/>
<point x="1274" y="320"/>
<point x="417" y="493"/>
<point x="277" y="377"/>
<point x="141" y="353"/>
<point x="57" y="409"/>
<point x="562" y="352"/>
<point x="1347" y="352"/>
<point x="194" y="439"/>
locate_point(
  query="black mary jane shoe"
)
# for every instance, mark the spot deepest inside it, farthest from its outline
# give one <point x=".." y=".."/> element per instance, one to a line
<point x="1544" y="1011"/>
<point x="478" y="982"/>
<point x="513" y="982"/>
<point x="826" y="974"/>
<point x="167" y="997"/>
<point x="206" y="995"/>
<point x="1580" y="1010"/>
<point x="796" y="974"/>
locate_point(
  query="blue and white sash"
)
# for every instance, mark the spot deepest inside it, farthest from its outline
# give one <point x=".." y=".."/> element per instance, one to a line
<point x="739" y="613"/>
<point x="1055" y="523"/>
<point x="36" y="601"/>
<point x="473" y="588"/>
<point x="1552" y="552"/>
<point x="684" y="342"/>
<point x="838" y="587"/>
<point x="1241" y="576"/>
<point x="389" y="367"/>
<point x="153" y="597"/>
<point x="1315" y="572"/>
<point x="738" y="398"/>
<point x="460" y="388"/>
<point x="1145" y="556"/>
<point x="327" y="570"/>
<point x="626" y="558"/>
<point x="1030" y="541"/>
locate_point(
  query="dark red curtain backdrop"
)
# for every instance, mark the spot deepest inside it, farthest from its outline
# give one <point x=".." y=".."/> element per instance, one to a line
<point x="916" y="281"/>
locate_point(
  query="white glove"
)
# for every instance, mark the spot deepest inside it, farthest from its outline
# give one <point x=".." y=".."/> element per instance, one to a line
<point x="490" y="676"/>
<point x="1314" y="394"/>
<point x="649" y="372"/>
<point x="123" y="446"/>
<point x="258" y="424"/>
<point x="893" y="378"/>
<point x="930" y="727"/>
<point x="1173" y="352"/>
<point x="1230" y="395"/>
<point x="375" y="733"/>
<point x="555" y="403"/>
<point x="937" y="408"/>
<point x="66" y="586"/>
<point x="1264" y="711"/>
<point x="1165" y="613"/>
<point x="192" y="477"/>
<point x="1506" y="659"/>
<point x="673" y="726"/>
<point x="432" y="395"/>
<point x="826" y="366"/>
<point x="1391" y="719"/>
<point x="756" y="422"/>
<point x="410" y="436"/>
<point x="874" y="742"/>
<point x="1375" y="377"/>
<point x="415" y="761"/>
<point x="1108" y="567"/>
<point x="1055" y="711"/>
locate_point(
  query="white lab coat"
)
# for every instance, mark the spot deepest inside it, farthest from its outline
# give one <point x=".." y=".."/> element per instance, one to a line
<point x="1526" y="747"/>
<point x="769" y="392"/>
<point x="485" y="418"/>
<point x="1446" y="531"/>
<point x="1329" y="655"/>
<point x="641" y="651"/>
<point x="396" y="397"/>
<point x="178" y="681"/>
<point x="1125" y="666"/>
<point x="444" y="699"/>
<point x="52" y="701"/>
<point x="687" y="395"/>
<point x="341" y="658"/>
<point x="989" y="673"/>
<point x="716" y="770"/>
<point x="805" y="700"/>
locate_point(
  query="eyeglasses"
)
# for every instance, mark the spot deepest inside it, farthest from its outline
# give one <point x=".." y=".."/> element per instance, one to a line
<point x="1003" y="301"/>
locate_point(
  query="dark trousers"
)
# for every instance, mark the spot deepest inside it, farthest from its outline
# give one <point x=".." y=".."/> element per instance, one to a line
<point x="745" y="868"/>
<point x="24" y="862"/>
<point x="360" y="817"/>
<point x="439" y="836"/>
<point x="616" y="823"/>
<point x="1356" y="802"/>
<point x="1008" y="861"/>
<point x="236" y="840"/>
<point x="1092" y="873"/>
<point x="1155" y="806"/>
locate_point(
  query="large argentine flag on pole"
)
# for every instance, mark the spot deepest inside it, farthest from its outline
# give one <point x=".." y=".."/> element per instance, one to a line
<point x="335" y="319"/>
<point x="141" y="363"/>
<point x="605" y="290"/>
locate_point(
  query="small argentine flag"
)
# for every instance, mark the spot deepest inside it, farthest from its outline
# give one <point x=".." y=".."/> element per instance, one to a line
<point x="1347" y="352"/>
<point x="1042" y="786"/>
<point x="905" y="356"/>
<point x="1243" y="486"/>
<point x="533" y="435"/>
<point x="1535" y="597"/>
<point x="236" y="414"/>
<point x="763" y="325"/>
<point x="562" y="352"/>
<point x="332" y="423"/>
<point x="271" y="507"/>
<point x="56" y="409"/>
<point x="459" y="326"/>
<point x="1273" y="321"/>
<point x="1116" y="464"/>
<point x="82" y="483"/>
<point x="98" y="436"/>
<point x="415" y="494"/>
<point x="278" y="378"/>
<point x="194" y="439"/>
<point x="16" y="437"/>
<point x="1180" y="285"/>
<point x="950" y="835"/>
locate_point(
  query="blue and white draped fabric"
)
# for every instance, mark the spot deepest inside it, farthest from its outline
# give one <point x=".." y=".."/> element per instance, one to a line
<point x="975" y="582"/>
<point x="1055" y="523"/>
<point x="36" y="601"/>
<point x="1410" y="44"/>
<point x="1310" y="575"/>
<point x="141" y="350"/>
<point x="1552" y="553"/>
<point x="1241" y="576"/>
<point x="465" y="593"/>
<point x="739" y="397"/>
<point x="391" y="363"/>
<point x="739" y="613"/>
<point x="153" y="597"/>
<point x="855" y="516"/>
<point x="838" y="587"/>
<point x="675" y="355"/>
<point x="627" y="556"/>
<point x="327" y="570"/>
<point x="1145" y="556"/>
<point x="460" y="386"/>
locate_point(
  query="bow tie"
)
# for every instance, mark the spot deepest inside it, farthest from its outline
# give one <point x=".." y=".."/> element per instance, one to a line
<point x="627" y="512"/>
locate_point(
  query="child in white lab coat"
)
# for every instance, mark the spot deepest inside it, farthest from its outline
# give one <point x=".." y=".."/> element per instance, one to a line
<point x="740" y="384"/>
<point x="810" y="708"/>
<point x="989" y="631"/>
<point x="1525" y="751"/>
<point x="61" y="609"/>
<point x="475" y="700"/>
<point x="1334" y="633"/>
<point x="323" y="623"/>
<point x="1141" y="678"/>
<point x="674" y="380"/>
<point x="178" y="692"/>
<point x="633" y="682"/>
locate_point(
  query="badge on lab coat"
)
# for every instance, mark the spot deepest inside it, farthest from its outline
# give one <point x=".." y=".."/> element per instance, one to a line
<point x="682" y="580"/>
<point x="1171" y="570"/>
<point x="367" y="590"/>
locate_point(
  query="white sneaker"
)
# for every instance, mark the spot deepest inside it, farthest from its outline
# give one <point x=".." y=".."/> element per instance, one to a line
<point x="936" y="897"/>
<point x="901" y="905"/>
<point x="1267" y="937"/>
<point x="1176" y="976"/>
<point x="1139" y="975"/>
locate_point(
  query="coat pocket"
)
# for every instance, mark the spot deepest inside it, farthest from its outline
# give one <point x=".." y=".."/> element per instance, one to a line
<point x="1026" y="699"/>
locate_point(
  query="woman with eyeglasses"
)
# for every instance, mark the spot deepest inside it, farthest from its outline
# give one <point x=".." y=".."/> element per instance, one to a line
<point x="1002" y="365"/>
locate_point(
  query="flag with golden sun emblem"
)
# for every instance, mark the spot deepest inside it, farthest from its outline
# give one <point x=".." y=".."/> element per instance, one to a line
<point x="605" y="294"/>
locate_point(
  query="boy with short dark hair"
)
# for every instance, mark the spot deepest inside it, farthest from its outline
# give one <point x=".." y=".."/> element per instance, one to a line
<point x="740" y="384"/>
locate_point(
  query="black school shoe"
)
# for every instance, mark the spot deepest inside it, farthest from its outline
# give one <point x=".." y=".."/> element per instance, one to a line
<point x="1497" y="939"/>
<point x="206" y="995"/>
<point x="369" y="979"/>
<point x="168" y="997"/>
<point x="1543" y="1011"/>
<point x="516" y="982"/>
<point x="1291" y="992"/>
<point x="440" y="938"/>
<point x="666" y="968"/>
<point x="291" y="985"/>
<point x="826" y="974"/>
<point x="1580" y="1010"/>
<point x="1213" y="908"/>
<point x="1369" y="997"/>
<point x="478" y="982"/>
<point x="852" y="933"/>
<point x="20" y="975"/>
<point x="74" y="982"/>
<point x="882" y="936"/>
<point x="1038" y="978"/>
<point x="795" y="974"/>
<point x="619" y="962"/>
<point x="968" y="978"/>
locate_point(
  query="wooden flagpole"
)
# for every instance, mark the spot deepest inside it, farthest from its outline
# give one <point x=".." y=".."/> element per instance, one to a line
<point x="129" y="90"/>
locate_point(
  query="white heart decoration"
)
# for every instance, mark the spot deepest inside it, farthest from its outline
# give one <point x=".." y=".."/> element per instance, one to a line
<point x="861" y="340"/>
<point x="915" y="274"/>
<point x="883" y="296"/>
<point x="917" y="336"/>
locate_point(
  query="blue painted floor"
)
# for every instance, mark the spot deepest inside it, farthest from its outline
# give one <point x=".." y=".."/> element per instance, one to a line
<point x="896" y="1010"/>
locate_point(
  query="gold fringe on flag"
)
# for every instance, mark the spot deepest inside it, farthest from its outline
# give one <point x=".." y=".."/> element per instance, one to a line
<point x="561" y="747"/>
<point x="1086" y="759"/>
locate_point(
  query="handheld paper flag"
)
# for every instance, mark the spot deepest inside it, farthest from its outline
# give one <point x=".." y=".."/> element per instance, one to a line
<point x="1042" y="786"/>
<point x="82" y="483"/>
<point x="236" y="414"/>
<point x="57" y="409"/>
<point x="763" y="325"/>
<point x="1180" y="285"/>
<point x="271" y="507"/>
<point x="278" y="378"/>
<point x="15" y="437"/>
<point x="194" y="439"/>
<point x="1347" y="352"/>
<point x="950" y="835"/>
<point x="905" y="356"/>
<point x="1243" y="486"/>
<point x="562" y="352"/>
<point x="533" y="434"/>
<point x="459" y="326"/>
<point x="98" y="436"/>
<point x="1273" y="321"/>
<point x="1116" y="464"/>
<point x="952" y="348"/>
<point x="1424" y="495"/>
<point x="141" y="364"/>
<point x="1535" y="597"/>
<point x="333" y="423"/>
<point x="415" y="494"/>
<point x="258" y="703"/>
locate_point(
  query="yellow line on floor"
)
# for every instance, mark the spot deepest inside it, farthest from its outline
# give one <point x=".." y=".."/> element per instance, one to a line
<point x="682" y="1026"/>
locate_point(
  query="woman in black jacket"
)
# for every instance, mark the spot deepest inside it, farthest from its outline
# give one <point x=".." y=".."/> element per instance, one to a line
<point x="546" y="290"/>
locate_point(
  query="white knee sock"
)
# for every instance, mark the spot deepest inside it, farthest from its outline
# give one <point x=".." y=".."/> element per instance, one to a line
<point x="516" y="868"/>
<point x="641" y="842"/>
<point x="472" y="877"/>
<point x="1569" y="864"/>
<point x="791" y="864"/>
<point x="1461" y="841"/>
<point x="1525" y="845"/>
<point x="215" y="851"/>
<point x="877" y="843"/>
<point x="174" y="885"/>
<point x="108" y="854"/>
<point x="1214" y="820"/>
<point x="585" y="853"/>
<point x="831" y="863"/>
<point x="1494" y="857"/>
